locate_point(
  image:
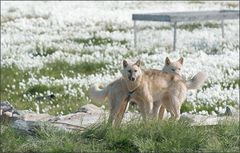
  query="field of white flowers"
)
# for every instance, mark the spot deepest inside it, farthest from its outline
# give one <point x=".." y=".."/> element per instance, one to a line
<point x="51" y="52"/>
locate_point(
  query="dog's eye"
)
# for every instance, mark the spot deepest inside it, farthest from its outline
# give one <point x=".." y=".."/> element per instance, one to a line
<point x="129" y="71"/>
<point x="179" y="69"/>
<point x="173" y="69"/>
<point x="135" y="70"/>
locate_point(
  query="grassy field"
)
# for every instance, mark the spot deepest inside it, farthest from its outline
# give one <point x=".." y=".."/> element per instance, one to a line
<point x="62" y="48"/>
<point x="65" y="49"/>
<point x="136" y="136"/>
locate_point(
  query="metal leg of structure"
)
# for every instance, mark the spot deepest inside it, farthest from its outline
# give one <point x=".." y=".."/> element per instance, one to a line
<point x="135" y="33"/>
<point x="222" y="27"/>
<point x="174" y="35"/>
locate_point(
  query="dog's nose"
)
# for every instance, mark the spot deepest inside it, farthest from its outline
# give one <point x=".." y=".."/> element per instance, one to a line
<point x="132" y="79"/>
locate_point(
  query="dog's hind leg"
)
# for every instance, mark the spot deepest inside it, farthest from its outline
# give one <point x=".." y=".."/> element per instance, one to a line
<point x="175" y="109"/>
<point x="161" y="112"/>
<point x="155" y="109"/>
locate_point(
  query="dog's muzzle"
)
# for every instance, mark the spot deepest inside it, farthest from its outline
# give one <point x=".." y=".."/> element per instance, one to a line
<point x="131" y="78"/>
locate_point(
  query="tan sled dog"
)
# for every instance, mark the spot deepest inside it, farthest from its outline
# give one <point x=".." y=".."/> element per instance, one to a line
<point x="153" y="88"/>
<point x="118" y="95"/>
<point x="171" y="67"/>
<point x="176" y="67"/>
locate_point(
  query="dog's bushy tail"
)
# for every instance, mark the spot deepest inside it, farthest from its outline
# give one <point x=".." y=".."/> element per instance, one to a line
<point x="97" y="94"/>
<point x="197" y="81"/>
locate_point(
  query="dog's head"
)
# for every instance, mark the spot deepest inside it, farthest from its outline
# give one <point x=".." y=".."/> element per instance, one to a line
<point x="131" y="71"/>
<point x="173" y="67"/>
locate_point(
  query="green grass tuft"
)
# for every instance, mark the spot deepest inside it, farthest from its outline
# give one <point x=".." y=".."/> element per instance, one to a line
<point x="96" y="41"/>
<point x="58" y="68"/>
<point x="187" y="107"/>
<point x="42" y="50"/>
<point x="37" y="89"/>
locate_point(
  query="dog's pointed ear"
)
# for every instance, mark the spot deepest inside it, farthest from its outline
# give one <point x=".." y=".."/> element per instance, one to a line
<point x="138" y="63"/>
<point x="167" y="61"/>
<point x="125" y="63"/>
<point x="181" y="60"/>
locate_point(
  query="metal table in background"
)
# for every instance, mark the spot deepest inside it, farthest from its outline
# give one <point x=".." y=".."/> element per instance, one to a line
<point x="191" y="16"/>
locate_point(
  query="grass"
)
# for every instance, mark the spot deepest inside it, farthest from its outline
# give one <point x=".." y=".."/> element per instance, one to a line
<point x="210" y="108"/>
<point x="110" y="28"/>
<point x="65" y="103"/>
<point x="42" y="50"/>
<point x="12" y="76"/>
<point x="167" y="136"/>
<point x="96" y="41"/>
<point x="12" y="92"/>
<point x="186" y="26"/>
<point x="230" y="84"/>
<point x="56" y="68"/>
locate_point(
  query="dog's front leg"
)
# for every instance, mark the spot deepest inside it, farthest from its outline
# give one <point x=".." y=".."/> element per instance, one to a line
<point x="148" y="106"/>
<point x="121" y="112"/>
<point x="140" y="103"/>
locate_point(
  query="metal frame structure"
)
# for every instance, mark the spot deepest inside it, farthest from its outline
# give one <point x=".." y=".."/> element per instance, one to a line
<point x="191" y="16"/>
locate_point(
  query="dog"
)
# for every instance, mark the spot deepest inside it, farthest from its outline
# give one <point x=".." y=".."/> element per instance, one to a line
<point x="118" y="93"/>
<point x="152" y="88"/>
<point x="170" y="67"/>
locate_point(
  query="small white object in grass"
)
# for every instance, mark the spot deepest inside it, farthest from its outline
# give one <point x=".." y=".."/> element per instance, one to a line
<point x="37" y="108"/>
<point x="103" y="107"/>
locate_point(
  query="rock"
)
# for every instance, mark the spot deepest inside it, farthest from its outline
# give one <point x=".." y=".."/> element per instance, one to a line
<point x="27" y="127"/>
<point x="47" y="97"/>
<point x="90" y="108"/>
<point x="234" y="110"/>
<point x="80" y="119"/>
<point x="51" y="96"/>
<point x="31" y="127"/>
<point x="36" y="117"/>
<point x="8" y="111"/>
<point x="207" y="119"/>
<point x="228" y="112"/>
<point x="5" y="106"/>
<point x="9" y="114"/>
<point x="22" y="112"/>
